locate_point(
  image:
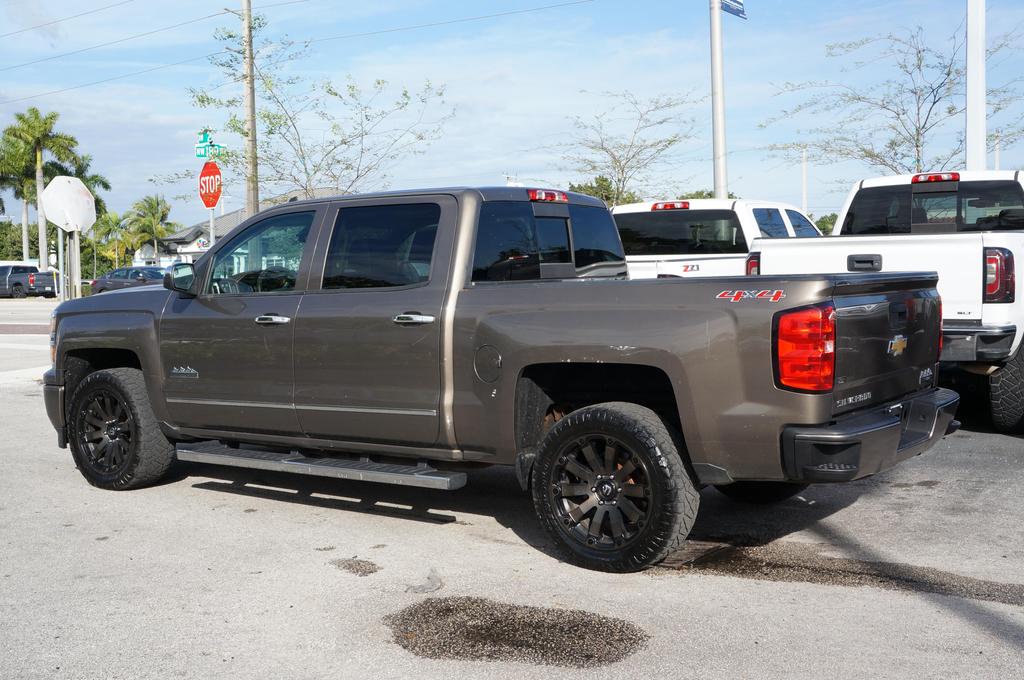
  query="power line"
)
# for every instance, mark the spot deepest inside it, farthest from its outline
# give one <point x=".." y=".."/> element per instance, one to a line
<point x="336" y="37"/>
<point x="73" y="16"/>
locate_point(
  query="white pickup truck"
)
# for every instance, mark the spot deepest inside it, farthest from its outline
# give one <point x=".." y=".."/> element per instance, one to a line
<point x="967" y="226"/>
<point x="701" y="237"/>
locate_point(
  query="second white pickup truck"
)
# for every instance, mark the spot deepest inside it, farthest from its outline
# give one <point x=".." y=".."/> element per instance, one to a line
<point x="967" y="226"/>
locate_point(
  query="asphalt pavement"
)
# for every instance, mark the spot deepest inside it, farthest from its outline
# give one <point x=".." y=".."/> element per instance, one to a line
<point x="228" y="573"/>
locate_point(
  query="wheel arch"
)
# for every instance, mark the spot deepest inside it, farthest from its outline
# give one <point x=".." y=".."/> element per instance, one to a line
<point x="546" y="392"/>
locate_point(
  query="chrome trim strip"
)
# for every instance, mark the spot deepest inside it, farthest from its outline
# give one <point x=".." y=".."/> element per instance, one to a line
<point x="218" y="402"/>
<point x="979" y="330"/>
<point x="364" y="409"/>
<point x="309" y="407"/>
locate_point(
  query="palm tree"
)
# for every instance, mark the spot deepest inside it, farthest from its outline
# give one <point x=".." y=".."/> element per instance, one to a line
<point x="18" y="174"/>
<point x="147" y="221"/>
<point x="37" y="133"/>
<point x="109" y="228"/>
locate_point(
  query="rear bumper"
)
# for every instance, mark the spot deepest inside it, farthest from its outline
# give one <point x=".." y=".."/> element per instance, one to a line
<point x="977" y="343"/>
<point x="53" y="398"/>
<point x="867" y="442"/>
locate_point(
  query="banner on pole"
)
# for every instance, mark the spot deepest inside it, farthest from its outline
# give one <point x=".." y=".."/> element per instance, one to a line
<point x="734" y="7"/>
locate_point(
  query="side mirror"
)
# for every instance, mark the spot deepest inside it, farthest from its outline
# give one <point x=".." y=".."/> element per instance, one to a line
<point x="180" y="278"/>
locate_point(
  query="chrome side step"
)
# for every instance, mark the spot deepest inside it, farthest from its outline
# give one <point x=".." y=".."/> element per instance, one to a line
<point x="364" y="469"/>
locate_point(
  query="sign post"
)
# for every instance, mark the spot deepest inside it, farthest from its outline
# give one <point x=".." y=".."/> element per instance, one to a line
<point x="210" y="185"/>
<point x="718" y="90"/>
<point x="70" y="205"/>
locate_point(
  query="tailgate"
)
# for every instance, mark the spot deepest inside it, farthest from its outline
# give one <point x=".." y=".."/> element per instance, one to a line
<point x="887" y="337"/>
<point x="956" y="257"/>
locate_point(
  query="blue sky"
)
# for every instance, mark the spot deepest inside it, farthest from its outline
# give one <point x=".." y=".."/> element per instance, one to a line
<point x="514" y="80"/>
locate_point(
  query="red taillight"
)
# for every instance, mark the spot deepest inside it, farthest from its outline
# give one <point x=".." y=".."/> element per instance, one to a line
<point x="754" y="264"/>
<point x="1000" y="278"/>
<point x="548" y="196"/>
<point x="935" y="177"/>
<point x="671" y="205"/>
<point x="31" y="279"/>
<point x="92" y="284"/>
<point x="805" y="346"/>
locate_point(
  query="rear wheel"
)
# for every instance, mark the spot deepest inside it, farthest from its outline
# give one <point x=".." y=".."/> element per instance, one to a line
<point x="115" y="438"/>
<point x="609" y="486"/>
<point x="18" y="291"/>
<point x="1006" y="395"/>
<point x="761" y="493"/>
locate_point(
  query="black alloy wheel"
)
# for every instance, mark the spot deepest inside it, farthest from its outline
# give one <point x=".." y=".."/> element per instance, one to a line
<point x="602" y="493"/>
<point x="106" y="432"/>
<point x="18" y="291"/>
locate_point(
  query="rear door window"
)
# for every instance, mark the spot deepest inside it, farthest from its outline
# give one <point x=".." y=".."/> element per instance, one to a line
<point x="681" y="232"/>
<point x="382" y="246"/>
<point x="769" y="221"/>
<point x="118" y="274"/>
<point x="963" y="206"/>
<point x="802" y="227"/>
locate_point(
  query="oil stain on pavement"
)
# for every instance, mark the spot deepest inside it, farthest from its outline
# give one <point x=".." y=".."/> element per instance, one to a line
<point x="473" y="628"/>
<point x="797" y="562"/>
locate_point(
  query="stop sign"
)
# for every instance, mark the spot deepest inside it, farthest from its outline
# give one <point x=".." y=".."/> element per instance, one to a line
<point x="210" y="184"/>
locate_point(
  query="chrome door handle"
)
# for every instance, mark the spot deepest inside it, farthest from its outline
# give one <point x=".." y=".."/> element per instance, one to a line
<point x="413" y="319"/>
<point x="272" y="320"/>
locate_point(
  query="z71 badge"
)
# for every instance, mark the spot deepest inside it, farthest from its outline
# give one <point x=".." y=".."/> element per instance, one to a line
<point x="737" y="295"/>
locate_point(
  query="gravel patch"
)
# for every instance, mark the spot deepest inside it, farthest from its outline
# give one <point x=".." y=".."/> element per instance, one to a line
<point x="356" y="566"/>
<point x="473" y="628"/>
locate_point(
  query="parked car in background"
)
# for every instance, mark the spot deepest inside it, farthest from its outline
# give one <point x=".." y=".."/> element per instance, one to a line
<point x="127" y="277"/>
<point x="22" y="280"/>
<point x="702" y="237"/>
<point x="967" y="226"/>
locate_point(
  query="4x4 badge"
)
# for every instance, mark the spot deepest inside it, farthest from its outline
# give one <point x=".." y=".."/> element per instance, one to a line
<point x="897" y="345"/>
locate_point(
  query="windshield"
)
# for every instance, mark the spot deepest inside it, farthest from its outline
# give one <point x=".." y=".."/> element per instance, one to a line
<point x="681" y="232"/>
<point x="961" y="207"/>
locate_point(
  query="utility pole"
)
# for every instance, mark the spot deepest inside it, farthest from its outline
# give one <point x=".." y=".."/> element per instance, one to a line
<point x="252" y="183"/>
<point x="976" y="107"/>
<point x="803" y="180"/>
<point x="718" y="101"/>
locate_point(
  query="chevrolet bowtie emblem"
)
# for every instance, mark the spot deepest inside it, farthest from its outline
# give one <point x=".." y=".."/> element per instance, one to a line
<point x="897" y="345"/>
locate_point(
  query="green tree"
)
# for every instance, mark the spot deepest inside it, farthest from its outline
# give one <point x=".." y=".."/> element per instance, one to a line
<point x="601" y="187"/>
<point x="110" y="229"/>
<point x="17" y="173"/>
<point x="38" y="133"/>
<point x="825" y="223"/>
<point x="701" y="193"/>
<point x="147" y="221"/>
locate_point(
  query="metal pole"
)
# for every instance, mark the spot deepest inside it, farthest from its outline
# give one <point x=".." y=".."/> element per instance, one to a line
<point x="803" y="172"/>
<point x="976" y="113"/>
<point x="60" y="264"/>
<point x="76" y="258"/>
<point x="213" y="237"/>
<point x="252" y="186"/>
<point x="718" y="101"/>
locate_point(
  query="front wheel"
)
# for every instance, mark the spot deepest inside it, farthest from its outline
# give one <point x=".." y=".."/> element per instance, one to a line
<point x="18" y="291"/>
<point x="114" y="436"/>
<point x="1006" y="395"/>
<point x="609" y="486"/>
<point x="761" y="493"/>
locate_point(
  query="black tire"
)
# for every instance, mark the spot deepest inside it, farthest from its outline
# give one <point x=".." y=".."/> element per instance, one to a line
<point x="18" y="291"/>
<point x="112" y="407"/>
<point x="1006" y="395"/>
<point x="648" y="498"/>
<point x="761" y="493"/>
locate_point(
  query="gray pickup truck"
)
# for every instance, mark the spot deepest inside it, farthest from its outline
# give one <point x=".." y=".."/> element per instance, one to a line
<point x="20" y="281"/>
<point x="410" y="337"/>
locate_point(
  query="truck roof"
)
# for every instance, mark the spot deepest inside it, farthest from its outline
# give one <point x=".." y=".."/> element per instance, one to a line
<point x="705" y="204"/>
<point x="486" y="193"/>
<point x="965" y="176"/>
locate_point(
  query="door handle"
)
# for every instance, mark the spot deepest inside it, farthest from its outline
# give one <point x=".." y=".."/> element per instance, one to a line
<point x="272" y="320"/>
<point x="413" y="319"/>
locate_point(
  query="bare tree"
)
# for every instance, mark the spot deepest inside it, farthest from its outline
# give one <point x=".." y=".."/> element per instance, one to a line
<point x="315" y="136"/>
<point x="910" y="121"/>
<point x="627" y="140"/>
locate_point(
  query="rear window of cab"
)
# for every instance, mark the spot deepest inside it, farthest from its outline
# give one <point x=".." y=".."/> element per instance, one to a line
<point x="681" y="232"/>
